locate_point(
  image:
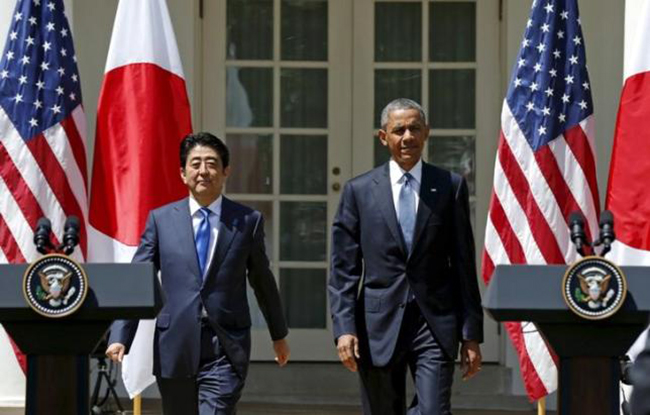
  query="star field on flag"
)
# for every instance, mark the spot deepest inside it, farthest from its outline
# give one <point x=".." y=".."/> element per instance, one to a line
<point x="39" y="77"/>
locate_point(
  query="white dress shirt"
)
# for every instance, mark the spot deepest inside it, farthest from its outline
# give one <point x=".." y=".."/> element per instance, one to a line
<point x="397" y="181"/>
<point x="215" y="208"/>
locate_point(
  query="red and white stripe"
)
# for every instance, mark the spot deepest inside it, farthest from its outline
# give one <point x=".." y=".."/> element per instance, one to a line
<point x="45" y="177"/>
<point x="534" y="192"/>
<point x="143" y="115"/>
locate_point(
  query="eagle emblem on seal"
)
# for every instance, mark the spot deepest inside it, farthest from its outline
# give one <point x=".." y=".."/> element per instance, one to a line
<point x="55" y="286"/>
<point x="594" y="288"/>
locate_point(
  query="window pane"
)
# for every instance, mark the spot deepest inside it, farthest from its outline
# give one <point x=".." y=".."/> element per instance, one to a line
<point x="304" y="30"/>
<point x="250" y="29"/>
<point x="303" y="98"/>
<point x="304" y="297"/>
<point x="304" y="165"/>
<point x="303" y="231"/>
<point x="251" y="158"/>
<point x="457" y="154"/>
<point x="452" y="35"/>
<point x="452" y="98"/>
<point x="398" y="32"/>
<point x="396" y="83"/>
<point x="249" y="97"/>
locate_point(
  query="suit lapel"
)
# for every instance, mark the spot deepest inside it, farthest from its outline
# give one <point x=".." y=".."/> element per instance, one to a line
<point x="228" y="221"/>
<point x="185" y="232"/>
<point x="428" y="199"/>
<point x="384" y="196"/>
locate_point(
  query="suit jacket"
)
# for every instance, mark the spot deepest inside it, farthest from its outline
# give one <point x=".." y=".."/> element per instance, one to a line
<point x="440" y="270"/>
<point x="168" y="242"/>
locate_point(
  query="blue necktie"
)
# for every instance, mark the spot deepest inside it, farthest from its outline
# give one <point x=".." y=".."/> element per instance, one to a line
<point x="202" y="239"/>
<point x="406" y="203"/>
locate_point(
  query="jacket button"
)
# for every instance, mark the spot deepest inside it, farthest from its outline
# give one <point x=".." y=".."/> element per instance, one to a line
<point x="402" y="305"/>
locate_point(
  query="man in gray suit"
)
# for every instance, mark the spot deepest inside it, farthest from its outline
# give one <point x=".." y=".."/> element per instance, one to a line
<point x="205" y="246"/>
<point x="403" y="287"/>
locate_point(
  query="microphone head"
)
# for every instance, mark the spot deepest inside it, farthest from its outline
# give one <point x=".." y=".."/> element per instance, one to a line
<point x="71" y="223"/>
<point x="606" y="218"/>
<point x="42" y="235"/>
<point x="44" y="223"/>
<point x="575" y="218"/>
<point x="70" y="234"/>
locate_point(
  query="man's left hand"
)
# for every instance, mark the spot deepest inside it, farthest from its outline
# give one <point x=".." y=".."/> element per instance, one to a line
<point x="470" y="358"/>
<point x="282" y="351"/>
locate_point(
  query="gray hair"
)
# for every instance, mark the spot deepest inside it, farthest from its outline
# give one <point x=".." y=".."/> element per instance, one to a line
<point x="401" y="104"/>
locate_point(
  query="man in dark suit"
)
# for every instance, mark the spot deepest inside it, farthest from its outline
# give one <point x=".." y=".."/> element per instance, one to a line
<point x="403" y="288"/>
<point x="205" y="246"/>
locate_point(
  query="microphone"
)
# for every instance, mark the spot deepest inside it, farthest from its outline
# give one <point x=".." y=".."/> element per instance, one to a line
<point x="607" y="236"/>
<point x="42" y="235"/>
<point x="70" y="234"/>
<point x="577" y="228"/>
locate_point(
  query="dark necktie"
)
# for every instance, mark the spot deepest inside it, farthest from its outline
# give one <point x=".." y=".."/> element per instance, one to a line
<point x="406" y="203"/>
<point x="202" y="239"/>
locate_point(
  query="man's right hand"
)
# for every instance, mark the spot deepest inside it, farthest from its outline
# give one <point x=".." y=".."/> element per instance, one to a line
<point x="115" y="352"/>
<point x="348" y="348"/>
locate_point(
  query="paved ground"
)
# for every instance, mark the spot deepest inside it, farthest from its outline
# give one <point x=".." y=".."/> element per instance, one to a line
<point x="256" y="409"/>
<point x="279" y="410"/>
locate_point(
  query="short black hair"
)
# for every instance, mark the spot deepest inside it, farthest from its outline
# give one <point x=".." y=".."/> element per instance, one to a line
<point x="204" y="139"/>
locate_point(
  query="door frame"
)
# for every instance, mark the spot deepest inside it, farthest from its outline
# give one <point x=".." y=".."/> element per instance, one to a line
<point x="350" y="115"/>
<point x="307" y="344"/>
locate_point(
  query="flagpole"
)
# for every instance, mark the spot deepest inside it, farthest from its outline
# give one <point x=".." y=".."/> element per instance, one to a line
<point x="137" y="404"/>
<point x="541" y="405"/>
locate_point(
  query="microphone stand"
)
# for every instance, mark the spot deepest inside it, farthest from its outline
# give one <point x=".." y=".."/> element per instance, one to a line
<point x="605" y="238"/>
<point x="104" y="373"/>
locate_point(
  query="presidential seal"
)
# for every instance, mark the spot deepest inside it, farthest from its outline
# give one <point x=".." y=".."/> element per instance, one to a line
<point x="55" y="286"/>
<point x="594" y="288"/>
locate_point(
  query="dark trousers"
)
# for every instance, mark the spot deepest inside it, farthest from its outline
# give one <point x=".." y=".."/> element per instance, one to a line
<point x="214" y="391"/>
<point x="383" y="389"/>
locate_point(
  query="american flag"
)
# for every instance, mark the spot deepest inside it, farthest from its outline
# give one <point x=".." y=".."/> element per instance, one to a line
<point x="42" y="130"/>
<point x="545" y="166"/>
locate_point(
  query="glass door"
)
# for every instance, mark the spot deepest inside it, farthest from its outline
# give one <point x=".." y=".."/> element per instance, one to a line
<point x="437" y="53"/>
<point x="296" y="88"/>
<point x="277" y="87"/>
